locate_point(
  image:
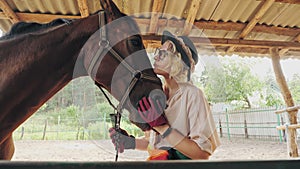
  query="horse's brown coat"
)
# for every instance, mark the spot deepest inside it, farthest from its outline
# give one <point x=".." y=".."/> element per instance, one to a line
<point x="34" y="65"/>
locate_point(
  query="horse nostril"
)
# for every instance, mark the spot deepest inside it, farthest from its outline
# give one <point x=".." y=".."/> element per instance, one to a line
<point x="159" y="95"/>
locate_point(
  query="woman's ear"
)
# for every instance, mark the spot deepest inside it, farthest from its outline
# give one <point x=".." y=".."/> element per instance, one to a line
<point x="171" y="46"/>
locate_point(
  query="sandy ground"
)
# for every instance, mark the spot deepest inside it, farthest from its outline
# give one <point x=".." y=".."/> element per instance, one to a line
<point x="103" y="150"/>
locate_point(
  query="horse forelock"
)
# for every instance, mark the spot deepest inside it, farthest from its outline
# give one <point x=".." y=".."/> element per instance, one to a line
<point x="28" y="27"/>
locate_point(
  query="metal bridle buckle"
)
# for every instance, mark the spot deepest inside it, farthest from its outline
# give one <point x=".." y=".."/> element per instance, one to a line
<point x="104" y="43"/>
<point x="137" y="74"/>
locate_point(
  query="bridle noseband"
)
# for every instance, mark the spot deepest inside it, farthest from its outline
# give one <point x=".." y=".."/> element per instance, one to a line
<point x="105" y="47"/>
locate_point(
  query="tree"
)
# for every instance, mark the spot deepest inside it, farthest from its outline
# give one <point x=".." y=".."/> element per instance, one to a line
<point x="232" y="82"/>
<point x="295" y="87"/>
<point x="272" y="94"/>
<point x="212" y="80"/>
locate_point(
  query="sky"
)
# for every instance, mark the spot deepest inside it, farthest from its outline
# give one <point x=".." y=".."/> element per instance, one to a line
<point x="264" y="65"/>
<point x="289" y="67"/>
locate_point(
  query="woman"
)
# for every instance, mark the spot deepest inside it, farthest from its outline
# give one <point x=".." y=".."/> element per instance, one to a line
<point x="190" y="131"/>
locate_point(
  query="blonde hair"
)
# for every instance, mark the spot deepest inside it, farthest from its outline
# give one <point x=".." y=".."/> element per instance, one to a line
<point x="178" y="69"/>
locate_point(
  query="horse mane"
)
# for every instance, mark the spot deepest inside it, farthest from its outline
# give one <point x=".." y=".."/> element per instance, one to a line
<point x="28" y="27"/>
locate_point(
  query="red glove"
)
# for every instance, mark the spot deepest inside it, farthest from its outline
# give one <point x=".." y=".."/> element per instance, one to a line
<point x="152" y="112"/>
<point x="125" y="140"/>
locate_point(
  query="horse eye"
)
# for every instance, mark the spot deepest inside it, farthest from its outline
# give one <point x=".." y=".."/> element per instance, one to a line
<point x="136" y="42"/>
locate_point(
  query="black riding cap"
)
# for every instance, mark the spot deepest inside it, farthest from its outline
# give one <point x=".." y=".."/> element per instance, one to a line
<point x="169" y="36"/>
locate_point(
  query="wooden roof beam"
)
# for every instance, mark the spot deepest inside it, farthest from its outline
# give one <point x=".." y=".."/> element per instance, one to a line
<point x="2" y="15"/>
<point x="265" y="7"/>
<point x="226" y="26"/>
<point x="156" y="13"/>
<point x="212" y="25"/>
<point x="192" y="12"/>
<point x="9" y="12"/>
<point x="286" y="1"/>
<point x="258" y="52"/>
<point x="83" y="8"/>
<point x="248" y="43"/>
<point x="283" y="51"/>
<point x="232" y="42"/>
<point x="297" y="38"/>
<point x="44" y="18"/>
<point x="232" y="26"/>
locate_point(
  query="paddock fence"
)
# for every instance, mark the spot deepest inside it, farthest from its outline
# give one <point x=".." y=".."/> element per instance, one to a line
<point x="257" y="123"/>
<point x="46" y="128"/>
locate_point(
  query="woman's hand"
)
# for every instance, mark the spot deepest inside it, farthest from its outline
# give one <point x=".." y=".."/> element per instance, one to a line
<point x="152" y="112"/>
<point x="122" y="138"/>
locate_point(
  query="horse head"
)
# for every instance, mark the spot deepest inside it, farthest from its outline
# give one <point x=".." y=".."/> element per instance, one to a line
<point x="116" y="59"/>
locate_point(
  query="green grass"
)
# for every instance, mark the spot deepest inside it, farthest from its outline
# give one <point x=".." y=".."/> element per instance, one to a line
<point x="68" y="129"/>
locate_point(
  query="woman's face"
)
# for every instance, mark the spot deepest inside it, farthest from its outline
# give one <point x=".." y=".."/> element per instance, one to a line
<point x="162" y="60"/>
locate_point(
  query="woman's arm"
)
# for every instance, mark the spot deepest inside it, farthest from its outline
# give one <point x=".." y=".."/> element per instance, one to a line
<point x="142" y="142"/>
<point x="186" y="146"/>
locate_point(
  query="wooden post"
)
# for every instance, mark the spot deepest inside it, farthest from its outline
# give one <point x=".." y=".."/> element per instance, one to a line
<point x="104" y="125"/>
<point x="292" y="115"/>
<point x="45" y="128"/>
<point x="282" y="123"/>
<point x="22" y="133"/>
<point x="279" y="132"/>
<point x="78" y="132"/>
<point x="227" y="124"/>
<point x="288" y="141"/>
<point x="220" y="125"/>
<point x="83" y="132"/>
<point x="246" y="129"/>
<point x="58" y="127"/>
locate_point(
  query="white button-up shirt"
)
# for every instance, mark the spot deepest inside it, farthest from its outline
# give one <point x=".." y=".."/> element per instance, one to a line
<point x="189" y="112"/>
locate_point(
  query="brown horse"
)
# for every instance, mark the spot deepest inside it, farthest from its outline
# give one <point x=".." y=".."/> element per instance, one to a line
<point x="36" y="61"/>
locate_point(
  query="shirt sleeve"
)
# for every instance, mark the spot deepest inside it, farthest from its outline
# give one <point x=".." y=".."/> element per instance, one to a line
<point x="201" y="123"/>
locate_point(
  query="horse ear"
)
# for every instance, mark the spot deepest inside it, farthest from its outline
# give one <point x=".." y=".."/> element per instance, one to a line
<point x="111" y="9"/>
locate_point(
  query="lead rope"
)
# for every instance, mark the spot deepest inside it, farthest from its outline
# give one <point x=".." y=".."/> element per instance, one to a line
<point x="116" y="120"/>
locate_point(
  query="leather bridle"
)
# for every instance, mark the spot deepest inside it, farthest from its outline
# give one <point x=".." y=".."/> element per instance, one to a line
<point x="105" y="47"/>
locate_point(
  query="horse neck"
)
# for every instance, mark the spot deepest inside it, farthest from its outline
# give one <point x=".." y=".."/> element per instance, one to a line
<point x="39" y="67"/>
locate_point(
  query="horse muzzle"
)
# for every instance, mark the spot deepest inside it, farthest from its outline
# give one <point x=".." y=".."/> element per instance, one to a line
<point x="159" y="100"/>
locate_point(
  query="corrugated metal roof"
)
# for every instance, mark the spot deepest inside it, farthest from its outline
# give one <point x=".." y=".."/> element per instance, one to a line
<point x="282" y="15"/>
